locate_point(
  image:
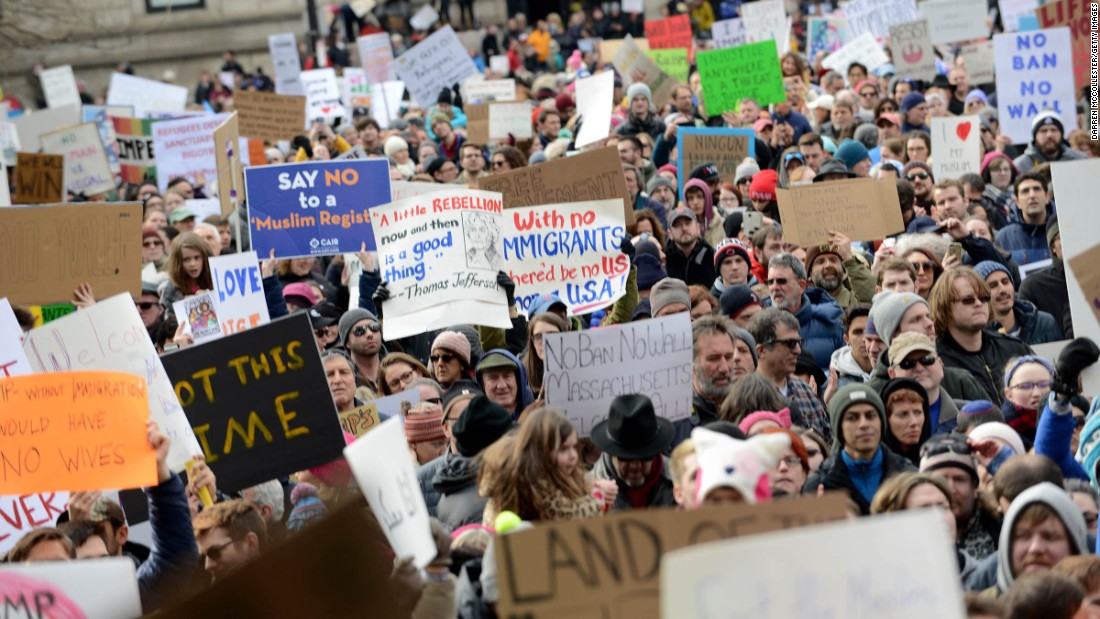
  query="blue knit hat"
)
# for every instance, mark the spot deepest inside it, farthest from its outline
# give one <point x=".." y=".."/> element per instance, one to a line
<point x="911" y="101"/>
<point x="1088" y="447"/>
<point x="985" y="268"/>
<point x="649" y="271"/>
<point x="851" y="152"/>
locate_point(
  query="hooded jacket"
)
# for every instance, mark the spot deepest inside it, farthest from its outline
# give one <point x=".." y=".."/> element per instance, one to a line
<point x="1033" y="157"/>
<point x="525" y="396"/>
<point x="711" y="226"/>
<point x="1058" y="500"/>
<point x="988" y="364"/>
<point x="843" y="362"/>
<point x="456" y="481"/>
<point x="696" y="268"/>
<point x="1035" y="327"/>
<point x="821" y="324"/>
<point x="891" y="441"/>
<point x="1046" y="289"/>
<point x="1026" y="242"/>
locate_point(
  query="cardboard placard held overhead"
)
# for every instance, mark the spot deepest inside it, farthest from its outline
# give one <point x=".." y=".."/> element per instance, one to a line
<point x="145" y="95"/>
<point x="635" y="66"/>
<point x="185" y="147"/>
<point x="875" y="17"/>
<point x="956" y="146"/>
<point x="1034" y="73"/>
<point x="32" y="126"/>
<point x="950" y="21"/>
<point x="594" y="96"/>
<point x="978" y="59"/>
<point x="510" y="119"/>
<point x="669" y="33"/>
<point x="39" y="179"/>
<point x="227" y="158"/>
<point x="268" y="116"/>
<point x="258" y="402"/>
<point x="59" y="86"/>
<point x="595" y="175"/>
<point x="477" y="123"/>
<point x="287" y="64"/>
<point x="87" y="170"/>
<point x="861" y="209"/>
<point x="609" y="48"/>
<point x="914" y="55"/>
<point x="726" y="148"/>
<point x="734" y="73"/>
<point x="437" y="62"/>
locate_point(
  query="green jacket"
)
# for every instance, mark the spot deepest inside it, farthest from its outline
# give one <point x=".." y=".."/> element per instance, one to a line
<point x="859" y="287"/>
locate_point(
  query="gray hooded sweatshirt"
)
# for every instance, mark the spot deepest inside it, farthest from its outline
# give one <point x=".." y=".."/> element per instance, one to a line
<point x="1056" y="499"/>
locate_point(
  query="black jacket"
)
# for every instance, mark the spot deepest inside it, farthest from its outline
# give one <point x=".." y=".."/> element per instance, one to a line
<point x="988" y="364"/>
<point x="833" y="474"/>
<point x="1046" y="288"/>
<point x="698" y="268"/>
<point x="456" y="481"/>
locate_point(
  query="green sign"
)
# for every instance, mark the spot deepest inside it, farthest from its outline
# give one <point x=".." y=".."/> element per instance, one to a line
<point x="671" y="61"/>
<point x="734" y="73"/>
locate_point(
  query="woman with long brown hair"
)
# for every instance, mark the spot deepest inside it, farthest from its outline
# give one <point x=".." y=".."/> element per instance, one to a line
<point x="534" y="354"/>
<point x="188" y="269"/>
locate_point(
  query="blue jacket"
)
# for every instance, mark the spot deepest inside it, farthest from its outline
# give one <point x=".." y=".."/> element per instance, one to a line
<point x="1027" y="242"/>
<point x="273" y="294"/>
<point x="526" y="396"/>
<point x="821" y="325"/>
<point x="797" y="121"/>
<point x="1036" y="327"/>
<point x="1052" y="437"/>
<point x="166" y="574"/>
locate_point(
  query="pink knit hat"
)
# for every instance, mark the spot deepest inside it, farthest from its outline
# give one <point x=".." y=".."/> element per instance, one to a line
<point x="783" y="418"/>
<point x="454" y="342"/>
<point x="336" y="473"/>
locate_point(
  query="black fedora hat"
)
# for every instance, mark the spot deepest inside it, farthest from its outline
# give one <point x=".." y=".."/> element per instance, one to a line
<point x="633" y="431"/>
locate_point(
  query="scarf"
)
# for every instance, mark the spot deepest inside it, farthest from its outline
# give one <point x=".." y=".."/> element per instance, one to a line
<point x="639" y="496"/>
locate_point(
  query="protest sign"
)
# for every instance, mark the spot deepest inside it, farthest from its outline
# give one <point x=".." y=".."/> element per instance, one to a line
<point x="875" y="17"/>
<point x="39" y="179"/>
<point x="439" y="61"/>
<point x="490" y="90"/>
<point x="570" y="250"/>
<point x="950" y="21"/>
<point x="499" y="65"/>
<point x="322" y="96"/>
<point x="670" y="33"/>
<point x="111" y="336"/>
<point x="424" y="18"/>
<point x="914" y="55"/>
<point x="614" y="560"/>
<point x="227" y="162"/>
<point x="826" y="34"/>
<point x="32" y="126"/>
<point x="136" y="154"/>
<point x="635" y="66"/>
<point x="477" y="125"/>
<point x="197" y="315"/>
<point x="956" y="146"/>
<point x="672" y="61"/>
<point x="9" y="143"/>
<point x="633" y="6"/>
<point x="239" y="285"/>
<point x="59" y="86"/>
<point x="726" y="148"/>
<point x="287" y="65"/>
<point x="399" y="190"/>
<point x="202" y="208"/>
<point x="386" y="475"/>
<point x="354" y="88"/>
<point x="385" y="102"/>
<point x="22" y="513"/>
<point x="363" y="419"/>
<point x="510" y="120"/>
<point x="594" y="96"/>
<point x="258" y="402"/>
<point x="440" y="253"/>
<point x="13" y="362"/>
<point x="728" y="33"/>
<point x="978" y="60"/>
<point x="862" y="49"/>
<point x="5" y="195"/>
<point x="594" y="175"/>
<point x="315" y="208"/>
<point x="101" y="116"/>
<point x="376" y="57"/>
<point x="861" y="209"/>
<point x="735" y="73"/>
<point x="74" y="431"/>
<point x="145" y="95"/>
<point x="267" y="116"/>
<point x="91" y="589"/>
<point x="185" y="147"/>
<point x="360" y="420"/>
<point x="1013" y="12"/>
<point x="1073" y="14"/>
<point x="914" y="573"/>
<point x="87" y="171"/>
<point x="355" y="153"/>
<point x="50" y="312"/>
<point x="586" y="370"/>
<point x="767" y="20"/>
<point x="609" y="48"/>
<point x="1034" y="73"/>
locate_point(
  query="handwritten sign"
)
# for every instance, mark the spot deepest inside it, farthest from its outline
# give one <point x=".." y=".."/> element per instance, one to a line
<point x="376" y="57"/>
<point x="185" y="148"/>
<point x="59" y="86"/>
<point x="862" y="209"/>
<point x="571" y="250"/>
<point x="258" y="402"/>
<point x="22" y="513"/>
<point x="360" y="420"/>
<point x="767" y="20"/>
<point x="510" y="119"/>
<point x="1073" y="14"/>
<point x="951" y="21"/>
<point x="100" y="115"/>
<point x="904" y="565"/>
<point x="594" y="175"/>
<point x="145" y="95"/>
<point x="1077" y="203"/>
<point x="32" y="126"/>
<point x="385" y="102"/>
<point x="39" y="179"/>
<point x="609" y="48"/>
<point x="227" y="161"/>
<point x="956" y="146"/>
<point x="490" y="90"/>
<point x="240" y="291"/>
<point x="826" y="34"/>
<point x="594" y="95"/>
<point x="978" y="60"/>
<point x="13" y="362"/>
<point x="875" y="17"/>
<point x="914" y="55"/>
<point x="354" y="87"/>
<point x="385" y="473"/>
<point x="615" y="570"/>
<point x="74" y="431"/>
<point x="735" y="73"/>
<point x="726" y="148"/>
<point x="100" y="589"/>
<point x="862" y="49"/>
<point x="670" y="33"/>
<point x="439" y="61"/>
<point x="287" y="64"/>
<point x="728" y="33"/>
<point x="635" y="66"/>
<point x="424" y="18"/>
<point x="87" y="170"/>
<point x="1034" y="73"/>
<point x="322" y="95"/>
<point x="136" y="152"/>
<point x="672" y="61"/>
<point x="314" y="209"/>
<point x="268" y="116"/>
<point x="586" y="370"/>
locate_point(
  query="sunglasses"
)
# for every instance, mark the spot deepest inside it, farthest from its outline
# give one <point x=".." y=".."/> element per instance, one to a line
<point x="361" y="330"/>
<point x="923" y="266"/>
<point x="791" y="343"/>
<point x="445" y="358"/>
<point x="908" y="364"/>
<point x="943" y="446"/>
<point x="145" y="305"/>
<point x="215" y="552"/>
<point x="973" y="300"/>
<point x="921" y="175"/>
<point x="1043" y="384"/>
<point x="777" y="281"/>
<point x="498" y="164"/>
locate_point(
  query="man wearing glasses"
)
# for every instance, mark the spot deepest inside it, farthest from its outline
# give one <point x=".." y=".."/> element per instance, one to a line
<point x="473" y="164"/>
<point x="821" y="319"/>
<point x="361" y="335"/>
<point x="152" y="312"/>
<point x="913" y="355"/>
<point x="230" y="534"/>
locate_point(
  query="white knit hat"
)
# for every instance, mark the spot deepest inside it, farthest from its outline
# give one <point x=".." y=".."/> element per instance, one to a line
<point x="996" y="429"/>
<point x="726" y="462"/>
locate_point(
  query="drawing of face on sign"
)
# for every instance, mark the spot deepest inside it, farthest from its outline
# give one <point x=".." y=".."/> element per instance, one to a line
<point x="482" y="238"/>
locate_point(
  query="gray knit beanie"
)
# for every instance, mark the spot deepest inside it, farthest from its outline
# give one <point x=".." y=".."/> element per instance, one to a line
<point x="348" y="320"/>
<point x="887" y="309"/>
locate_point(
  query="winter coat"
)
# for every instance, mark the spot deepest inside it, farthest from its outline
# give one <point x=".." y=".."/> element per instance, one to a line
<point x="834" y="475"/>
<point x="846" y="367"/>
<point x="526" y="396"/>
<point x="1027" y="242"/>
<point x="1034" y="326"/>
<point x="988" y="365"/>
<point x="696" y="268"/>
<point x="1053" y="436"/>
<point x="653" y="125"/>
<point x="1046" y="289"/>
<point x="166" y="574"/>
<point x="659" y="496"/>
<point x="456" y="481"/>
<point x="702" y="413"/>
<point x="1033" y="157"/>
<point x="821" y="324"/>
<point x="858" y="286"/>
<point x="425" y="476"/>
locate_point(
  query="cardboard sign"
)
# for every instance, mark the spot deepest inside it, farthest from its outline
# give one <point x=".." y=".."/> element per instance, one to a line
<point x="74" y="431"/>
<point x="609" y="566"/>
<point x="322" y="96"/>
<point x="1034" y="73"/>
<point x="825" y="34"/>
<point x="490" y="90"/>
<point x="136" y="152"/>
<point x="570" y="250"/>
<point x="1077" y="183"/>
<point x="87" y="170"/>
<point x="387" y="476"/>
<point x="258" y="402"/>
<point x="439" y="61"/>
<point x="594" y="175"/>
<point x="915" y="572"/>
<point x="634" y="66"/>
<point x="358" y="421"/>
<point x="767" y="20"/>
<point x="39" y="179"/>
<point x="861" y="209"/>
<point x="92" y="589"/>
<point x="239" y="285"/>
<point x="735" y="73"/>
<point x="440" y="253"/>
<point x="22" y="513"/>
<point x="315" y="208"/>
<point x="728" y="33"/>
<point x="477" y="124"/>
<point x="609" y="48"/>
<point x="862" y="49"/>
<point x="13" y="362"/>
<point x="672" y="61"/>
<point x="978" y="60"/>
<point x="59" y="86"/>
<point x="594" y="95"/>
<point x="670" y="33"/>
<point x="227" y="162"/>
<point x="1073" y="14"/>
<point x="914" y="55"/>
<point x="956" y="144"/>
<point x="951" y="21"/>
<point x="145" y="95"/>
<point x="875" y="17"/>
<point x="376" y="57"/>
<point x="510" y="120"/>
<point x="185" y="147"/>
<point x="726" y="148"/>
<point x="268" y="116"/>
<point x="1014" y="12"/>
<point x="32" y="126"/>
<point x="288" y="66"/>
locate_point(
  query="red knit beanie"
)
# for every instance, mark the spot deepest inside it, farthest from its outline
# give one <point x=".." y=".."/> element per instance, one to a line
<point x="763" y="186"/>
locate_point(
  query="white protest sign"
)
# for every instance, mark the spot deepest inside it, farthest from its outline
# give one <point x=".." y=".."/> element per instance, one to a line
<point x="376" y="57"/>
<point x="145" y="95"/>
<point x="399" y="190"/>
<point x="87" y="170"/>
<point x="499" y="65"/>
<point x="90" y="589"/>
<point x="1090" y="376"/>
<point x="1013" y="10"/>
<point x="439" y="61"/>
<point x="950" y="21"/>
<point x="111" y="336"/>
<point x="424" y="18"/>
<point x="765" y="20"/>
<point x="5" y="193"/>
<point x="875" y="17"/>
<point x="390" y="406"/>
<point x="585" y="370"/>
<point x="728" y="33"/>
<point x="385" y="473"/>
<point x="185" y="147"/>
<point x="198" y="316"/>
<point x="635" y="66"/>
<point x="13" y="361"/>
<point x="32" y="126"/>
<point x="956" y="146"/>
<point x="239" y="285"/>
<point x="1034" y="73"/>
<point x="633" y="6"/>
<point x="355" y="90"/>
<point x="899" y="565"/>
<point x="385" y="102"/>
<point x="570" y="250"/>
<point x="204" y="207"/>
<point x="510" y="119"/>
<point x="914" y="54"/>
<point x="440" y="253"/>
<point x="287" y="64"/>
<point x="20" y="514"/>
<point x="594" y="103"/>
<point x="978" y="59"/>
<point x="59" y="86"/>
<point x="322" y="95"/>
<point x="490" y="90"/>
<point x="862" y="49"/>
<point x="10" y="144"/>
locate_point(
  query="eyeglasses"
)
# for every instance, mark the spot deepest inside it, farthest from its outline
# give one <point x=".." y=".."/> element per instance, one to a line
<point x="1043" y="385"/>
<point x="215" y="552"/>
<point x="361" y="330"/>
<point x="791" y="343"/>
<point x="151" y="243"/>
<point x="973" y="300"/>
<point x="914" y="176"/>
<point x="908" y="364"/>
<point x="777" y="281"/>
<point x="942" y="446"/>
<point x="498" y="163"/>
<point x="791" y="461"/>
<point x="145" y="305"/>
<point x="445" y="358"/>
<point x="404" y="378"/>
<point x="927" y="265"/>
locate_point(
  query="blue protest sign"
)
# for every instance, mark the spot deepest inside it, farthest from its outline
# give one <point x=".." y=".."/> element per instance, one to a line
<point x="315" y="208"/>
<point x="1034" y="74"/>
